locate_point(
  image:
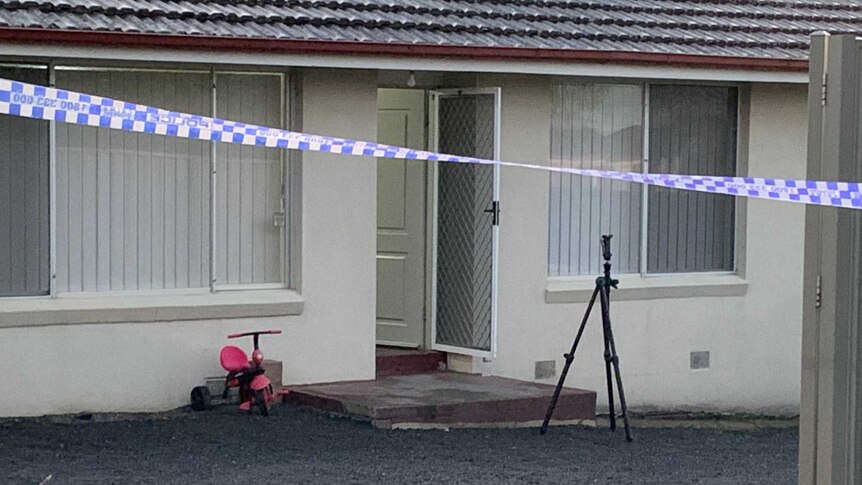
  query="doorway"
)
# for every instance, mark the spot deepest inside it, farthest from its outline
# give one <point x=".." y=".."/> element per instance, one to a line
<point x="401" y="212"/>
<point x="437" y="223"/>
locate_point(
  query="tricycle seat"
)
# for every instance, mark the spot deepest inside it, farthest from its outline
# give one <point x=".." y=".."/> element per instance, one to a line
<point x="233" y="359"/>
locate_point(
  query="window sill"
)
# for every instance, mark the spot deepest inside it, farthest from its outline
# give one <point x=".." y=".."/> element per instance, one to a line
<point x="114" y="308"/>
<point x="634" y="287"/>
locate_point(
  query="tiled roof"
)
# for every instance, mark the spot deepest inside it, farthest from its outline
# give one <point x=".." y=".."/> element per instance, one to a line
<point x="766" y="29"/>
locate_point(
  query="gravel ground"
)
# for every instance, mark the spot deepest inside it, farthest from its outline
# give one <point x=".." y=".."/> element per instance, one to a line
<point x="298" y="446"/>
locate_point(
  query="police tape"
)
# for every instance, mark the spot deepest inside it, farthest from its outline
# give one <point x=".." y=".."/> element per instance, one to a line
<point x="51" y="104"/>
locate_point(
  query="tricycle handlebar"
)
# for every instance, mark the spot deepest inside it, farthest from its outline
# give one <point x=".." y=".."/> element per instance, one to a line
<point x="249" y="334"/>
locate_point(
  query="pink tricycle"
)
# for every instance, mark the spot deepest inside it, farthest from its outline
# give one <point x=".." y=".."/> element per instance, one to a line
<point x="255" y="389"/>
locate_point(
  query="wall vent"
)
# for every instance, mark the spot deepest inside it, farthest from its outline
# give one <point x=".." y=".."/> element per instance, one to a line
<point x="545" y="369"/>
<point x="699" y="359"/>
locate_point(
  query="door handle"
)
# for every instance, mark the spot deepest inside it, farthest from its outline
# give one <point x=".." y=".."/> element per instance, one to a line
<point x="495" y="212"/>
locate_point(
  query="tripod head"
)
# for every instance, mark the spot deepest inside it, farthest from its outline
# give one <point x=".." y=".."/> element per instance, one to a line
<point x="606" y="247"/>
<point x="606" y="255"/>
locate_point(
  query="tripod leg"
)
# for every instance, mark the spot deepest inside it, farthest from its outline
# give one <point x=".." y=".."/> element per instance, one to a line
<point x="615" y="360"/>
<point x="569" y="358"/>
<point x="612" y="416"/>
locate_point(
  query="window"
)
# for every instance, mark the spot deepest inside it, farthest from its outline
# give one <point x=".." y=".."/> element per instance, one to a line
<point x="692" y="131"/>
<point x="687" y="130"/>
<point x="249" y="195"/>
<point x="24" y="198"/>
<point x="133" y="209"/>
<point x="133" y="212"/>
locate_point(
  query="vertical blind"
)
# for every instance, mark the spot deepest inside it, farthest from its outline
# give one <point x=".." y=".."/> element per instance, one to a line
<point x="24" y="198"/>
<point x="595" y="126"/>
<point x="249" y="191"/>
<point x="692" y="130"/>
<point x="133" y="209"/>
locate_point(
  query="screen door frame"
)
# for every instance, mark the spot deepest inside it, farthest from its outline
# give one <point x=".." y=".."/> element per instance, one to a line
<point x="434" y="144"/>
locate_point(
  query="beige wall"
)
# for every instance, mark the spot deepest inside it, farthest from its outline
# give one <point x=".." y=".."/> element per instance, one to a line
<point x="335" y="339"/>
<point x="754" y="339"/>
<point x="153" y="366"/>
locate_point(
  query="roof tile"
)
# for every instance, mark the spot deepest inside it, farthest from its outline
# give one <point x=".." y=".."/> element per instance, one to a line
<point x="756" y="28"/>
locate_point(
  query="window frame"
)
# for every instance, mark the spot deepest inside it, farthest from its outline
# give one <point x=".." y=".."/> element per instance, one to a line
<point x="740" y="167"/>
<point x="288" y="233"/>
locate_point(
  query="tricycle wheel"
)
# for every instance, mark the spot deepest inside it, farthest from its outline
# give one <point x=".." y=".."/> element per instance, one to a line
<point x="200" y="398"/>
<point x="260" y="399"/>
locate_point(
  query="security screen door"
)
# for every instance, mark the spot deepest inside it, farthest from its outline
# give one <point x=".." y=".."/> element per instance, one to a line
<point x="465" y="225"/>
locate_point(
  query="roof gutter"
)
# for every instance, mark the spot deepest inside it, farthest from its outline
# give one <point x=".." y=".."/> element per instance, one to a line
<point x="197" y="42"/>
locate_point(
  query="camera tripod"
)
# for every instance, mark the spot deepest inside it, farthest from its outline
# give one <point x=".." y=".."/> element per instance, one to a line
<point x="604" y="284"/>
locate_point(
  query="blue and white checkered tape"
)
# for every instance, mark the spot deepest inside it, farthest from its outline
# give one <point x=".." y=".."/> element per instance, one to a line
<point x="44" y="103"/>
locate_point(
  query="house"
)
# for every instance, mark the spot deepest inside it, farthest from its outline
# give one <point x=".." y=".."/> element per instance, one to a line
<point x="125" y="259"/>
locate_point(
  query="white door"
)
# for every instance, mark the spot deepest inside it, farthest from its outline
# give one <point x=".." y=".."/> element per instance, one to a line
<point x="401" y="221"/>
<point x="466" y="222"/>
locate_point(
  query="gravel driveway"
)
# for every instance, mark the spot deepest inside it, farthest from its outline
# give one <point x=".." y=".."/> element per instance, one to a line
<point x="297" y="446"/>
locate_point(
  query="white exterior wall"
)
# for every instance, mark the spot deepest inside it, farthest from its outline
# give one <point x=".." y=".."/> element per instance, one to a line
<point x="125" y="367"/>
<point x="754" y="339"/>
<point x="335" y="337"/>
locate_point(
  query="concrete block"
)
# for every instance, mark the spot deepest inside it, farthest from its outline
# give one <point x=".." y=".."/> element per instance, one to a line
<point x="274" y="370"/>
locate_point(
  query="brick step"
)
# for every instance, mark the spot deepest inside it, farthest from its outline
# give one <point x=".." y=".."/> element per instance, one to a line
<point x="446" y="399"/>
<point x="398" y="362"/>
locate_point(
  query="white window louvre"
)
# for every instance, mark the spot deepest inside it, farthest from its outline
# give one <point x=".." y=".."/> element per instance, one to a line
<point x="249" y="184"/>
<point x="133" y="210"/>
<point x="690" y="130"/>
<point x="596" y="126"/>
<point x="132" y="207"/>
<point x="24" y="197"/>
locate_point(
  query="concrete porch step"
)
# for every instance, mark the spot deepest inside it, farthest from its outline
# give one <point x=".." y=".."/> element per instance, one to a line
<point x="393" y="361"/>
<point x="446" y="399"/>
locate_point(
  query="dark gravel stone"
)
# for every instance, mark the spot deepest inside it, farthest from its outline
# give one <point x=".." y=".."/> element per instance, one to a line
<point x="297" y="446"/>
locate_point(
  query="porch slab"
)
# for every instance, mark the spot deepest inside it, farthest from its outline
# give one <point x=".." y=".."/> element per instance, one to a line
<point x="446" y="399"/>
